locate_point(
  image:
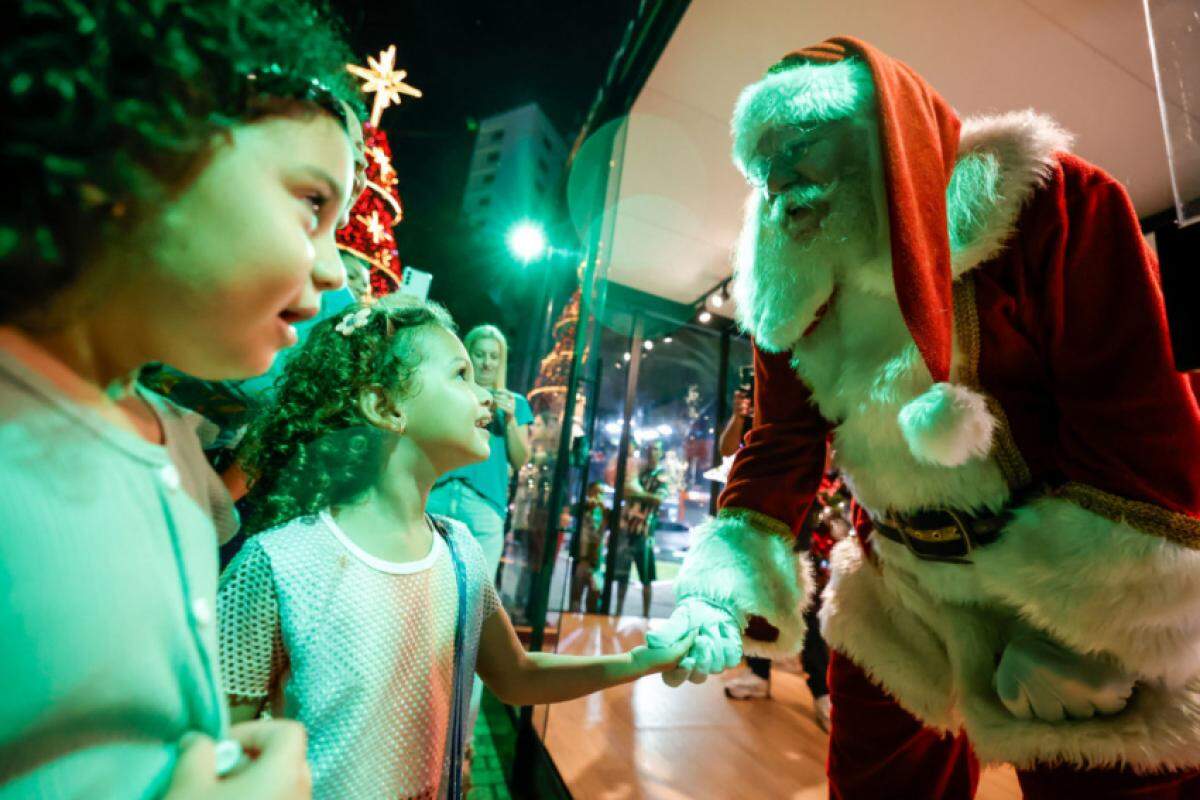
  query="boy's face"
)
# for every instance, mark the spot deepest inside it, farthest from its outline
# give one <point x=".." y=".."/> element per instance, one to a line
<point x="448" y="416"/>
<point x="244" y="251"/>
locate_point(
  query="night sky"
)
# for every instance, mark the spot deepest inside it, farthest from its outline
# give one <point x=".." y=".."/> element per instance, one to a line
<point x="474" y="59"/>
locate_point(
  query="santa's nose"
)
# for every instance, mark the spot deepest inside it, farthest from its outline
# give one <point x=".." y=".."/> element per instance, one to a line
<point x="780" y="180"/>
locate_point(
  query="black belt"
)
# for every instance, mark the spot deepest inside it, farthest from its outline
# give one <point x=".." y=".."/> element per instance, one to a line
<point x="942" y="535"/>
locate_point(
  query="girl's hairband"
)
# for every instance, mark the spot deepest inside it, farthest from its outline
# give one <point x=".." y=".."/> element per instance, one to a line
<point x="273" y="80"/>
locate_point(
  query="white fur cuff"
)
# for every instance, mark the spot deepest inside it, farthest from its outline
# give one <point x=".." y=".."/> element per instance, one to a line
<point x="738" y="564"/>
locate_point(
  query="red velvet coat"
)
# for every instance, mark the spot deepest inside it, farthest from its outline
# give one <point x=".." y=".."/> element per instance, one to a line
<point x="1073" y="345"/>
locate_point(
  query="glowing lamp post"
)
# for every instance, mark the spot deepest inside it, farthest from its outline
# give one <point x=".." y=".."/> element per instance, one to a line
<point x="527" y="242"/>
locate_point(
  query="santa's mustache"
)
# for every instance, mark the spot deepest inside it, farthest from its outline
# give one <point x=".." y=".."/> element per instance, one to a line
<point x="799" y="198"/>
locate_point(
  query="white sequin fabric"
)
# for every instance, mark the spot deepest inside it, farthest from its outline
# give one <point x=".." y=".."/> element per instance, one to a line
<point x="358" y="649"/>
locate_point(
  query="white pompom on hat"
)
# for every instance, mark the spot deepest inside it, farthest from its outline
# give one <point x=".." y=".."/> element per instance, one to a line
<point x="948" y="425"/>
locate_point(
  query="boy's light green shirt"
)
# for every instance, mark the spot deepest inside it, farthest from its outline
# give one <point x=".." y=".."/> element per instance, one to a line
<point x="108" y="575"/>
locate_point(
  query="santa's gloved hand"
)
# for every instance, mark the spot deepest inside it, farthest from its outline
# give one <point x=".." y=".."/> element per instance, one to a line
<point x="1038" y="677"/>
<point x="716" y="648"/>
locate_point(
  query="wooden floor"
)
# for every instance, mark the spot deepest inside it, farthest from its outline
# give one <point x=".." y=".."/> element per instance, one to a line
<point x="645" y="740"/>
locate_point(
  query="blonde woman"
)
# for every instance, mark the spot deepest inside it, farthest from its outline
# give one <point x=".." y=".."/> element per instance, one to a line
<point x="477" y="495"/>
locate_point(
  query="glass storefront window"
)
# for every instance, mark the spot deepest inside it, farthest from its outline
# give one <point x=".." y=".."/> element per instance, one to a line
<point x="675" y="419"/>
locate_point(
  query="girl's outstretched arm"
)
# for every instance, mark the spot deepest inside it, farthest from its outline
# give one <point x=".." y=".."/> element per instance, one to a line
<point x="519" y="678"/>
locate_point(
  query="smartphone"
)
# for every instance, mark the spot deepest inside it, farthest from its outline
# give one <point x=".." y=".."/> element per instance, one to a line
<point x="496" y="426"/>
<point x="746" y="380"/>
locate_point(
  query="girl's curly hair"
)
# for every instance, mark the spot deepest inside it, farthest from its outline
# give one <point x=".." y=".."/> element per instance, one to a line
<point x="313" y="448"/>
<point x="106" y="106"/>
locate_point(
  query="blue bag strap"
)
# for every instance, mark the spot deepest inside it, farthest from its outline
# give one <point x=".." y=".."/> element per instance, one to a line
<point x="461" y="697"/>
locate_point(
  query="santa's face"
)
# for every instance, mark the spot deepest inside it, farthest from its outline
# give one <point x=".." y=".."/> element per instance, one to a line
<point x="816" y="221"/>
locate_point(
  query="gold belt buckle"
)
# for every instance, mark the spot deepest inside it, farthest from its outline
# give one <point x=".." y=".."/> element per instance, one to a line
<point x="949" y="533"/>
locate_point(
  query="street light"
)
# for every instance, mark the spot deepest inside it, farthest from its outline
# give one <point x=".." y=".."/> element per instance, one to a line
<point x="526" y="241"/>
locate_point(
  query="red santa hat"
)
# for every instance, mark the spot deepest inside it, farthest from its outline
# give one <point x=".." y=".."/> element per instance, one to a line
<point x="918" y="132"/>
<point x="918" y="143"/>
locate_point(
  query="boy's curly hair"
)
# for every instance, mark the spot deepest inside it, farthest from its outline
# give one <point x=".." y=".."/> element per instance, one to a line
<point x="106" y="106"/>
<point x="313" y="448"/>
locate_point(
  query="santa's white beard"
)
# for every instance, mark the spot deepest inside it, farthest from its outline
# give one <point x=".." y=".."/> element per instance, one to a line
<point x="783" y="279"/>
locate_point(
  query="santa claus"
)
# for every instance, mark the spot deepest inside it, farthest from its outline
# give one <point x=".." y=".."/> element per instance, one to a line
<point x="970" y="315"/>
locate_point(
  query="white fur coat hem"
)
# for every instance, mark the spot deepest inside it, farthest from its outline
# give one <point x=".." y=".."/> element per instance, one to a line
<point x="1100" y="585"/>
<point x="1094" y="584"/>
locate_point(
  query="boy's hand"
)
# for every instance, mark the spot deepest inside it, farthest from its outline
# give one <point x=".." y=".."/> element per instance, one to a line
<point x="653" y="660"/>
<point x="277" y="770"/>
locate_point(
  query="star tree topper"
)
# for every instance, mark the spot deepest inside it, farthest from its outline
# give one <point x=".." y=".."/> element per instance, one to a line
<point x="384" y="81"/>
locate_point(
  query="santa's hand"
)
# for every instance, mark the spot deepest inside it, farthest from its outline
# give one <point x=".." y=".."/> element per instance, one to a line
<point x="1037" y="677"/>
<point x="716" y="648"/>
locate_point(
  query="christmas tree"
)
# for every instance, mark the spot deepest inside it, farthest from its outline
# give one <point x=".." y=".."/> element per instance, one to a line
<point x="550" y="387"/>
<point x="368" y="237"/>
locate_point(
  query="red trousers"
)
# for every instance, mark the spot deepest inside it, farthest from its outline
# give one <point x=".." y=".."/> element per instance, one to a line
<point x="879" y="750"/>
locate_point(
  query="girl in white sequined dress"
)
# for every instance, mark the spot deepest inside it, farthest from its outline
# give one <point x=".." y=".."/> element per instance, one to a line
<point x="351" y="609"/>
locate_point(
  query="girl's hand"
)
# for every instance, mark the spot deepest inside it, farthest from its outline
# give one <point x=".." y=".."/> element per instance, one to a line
<point x="653" y="660"/>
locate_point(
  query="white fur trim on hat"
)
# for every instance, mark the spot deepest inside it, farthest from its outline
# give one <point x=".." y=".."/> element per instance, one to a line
<point x="948" y="425"/>
<point x="799" y="95"/>
<point x="741" y="566"/>
<point x="1002" y="160"/>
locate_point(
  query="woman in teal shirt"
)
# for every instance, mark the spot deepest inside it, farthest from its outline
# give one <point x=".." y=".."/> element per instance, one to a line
<point x="477" y="495"/>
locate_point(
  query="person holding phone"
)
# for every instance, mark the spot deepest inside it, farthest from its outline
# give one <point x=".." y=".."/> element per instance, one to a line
<point x="743" y="414"/>
<point x="477" y="495"/>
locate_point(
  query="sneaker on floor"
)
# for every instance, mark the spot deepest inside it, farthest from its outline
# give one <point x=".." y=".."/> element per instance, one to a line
<point x="748" y="687"/>
<point x="821" y="712"/>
